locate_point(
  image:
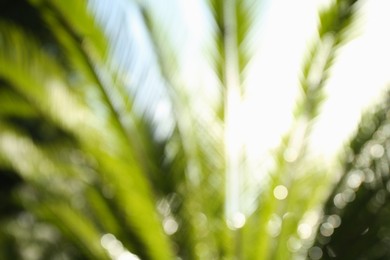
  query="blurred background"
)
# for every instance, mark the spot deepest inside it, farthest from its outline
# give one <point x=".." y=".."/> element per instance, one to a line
<point x="204" y="129"/>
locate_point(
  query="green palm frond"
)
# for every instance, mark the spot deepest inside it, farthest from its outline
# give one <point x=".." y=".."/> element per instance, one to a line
<point x="356" y="214"/>
<point x="234" y="34"/>
<point x="289" y="173"/>
<point x="57" y="103"/>
<point x="197" y="134"/>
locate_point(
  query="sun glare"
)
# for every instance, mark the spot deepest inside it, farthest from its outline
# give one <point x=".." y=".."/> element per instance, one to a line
<point x="264" y="112"/>
<point x="356" y="81"/>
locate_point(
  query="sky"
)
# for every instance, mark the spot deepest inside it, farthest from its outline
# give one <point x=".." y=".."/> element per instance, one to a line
<point x="358" y="78"/>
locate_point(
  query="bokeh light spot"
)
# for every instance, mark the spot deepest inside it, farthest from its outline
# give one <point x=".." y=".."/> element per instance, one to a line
<point x="274" y="225"/>
<point x="377" y="151"/>
<point x="315" y="253"/>
<point x="326" y="229"/>
<point x="334" y="220"/>
<point x="280" y="192"/>
<point x="170" y="225"/>
<point x="304" y="231"/>
<point x="294" y="244"/>
<point x="355" y="179"/>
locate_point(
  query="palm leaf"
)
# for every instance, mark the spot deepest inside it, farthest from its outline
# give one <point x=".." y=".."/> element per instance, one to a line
<point x="47" y="98"/>
<point x="356" y="214"/>
<point x="334" y="22"/>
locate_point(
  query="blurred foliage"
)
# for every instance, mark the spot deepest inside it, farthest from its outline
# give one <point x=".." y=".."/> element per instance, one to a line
<point x="88" y="171"/>
<point x="355" y="222"/>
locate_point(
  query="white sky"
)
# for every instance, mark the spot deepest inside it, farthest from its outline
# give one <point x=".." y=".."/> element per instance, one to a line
<point x="360" y="73"/>
<point x="359" y="76"/>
